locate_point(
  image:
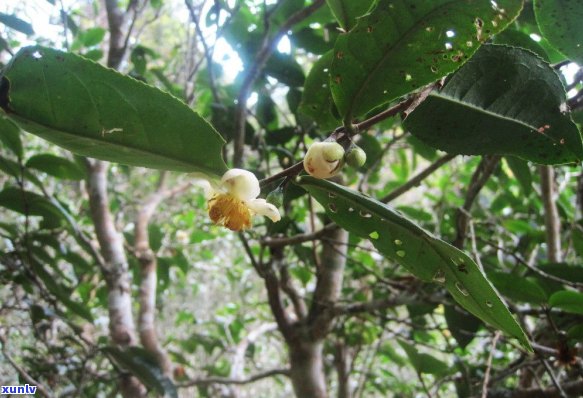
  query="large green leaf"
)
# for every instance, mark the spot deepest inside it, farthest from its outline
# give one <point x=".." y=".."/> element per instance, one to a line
<point x="95" y="111"/>
<point x="346" y="11"/>
<point x="560" y="21"/>
<point x="425" y="256"/>
<point x="505" y="100"/>
<point x="316" y="99"/>
<point x="405" y="44"/>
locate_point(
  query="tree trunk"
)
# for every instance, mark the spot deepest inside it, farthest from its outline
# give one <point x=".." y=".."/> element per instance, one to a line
<point x="306" y="359"/>
<point x="342" y="370"/>
<point x="307" y="369"/>
<point x="115" y="271"/>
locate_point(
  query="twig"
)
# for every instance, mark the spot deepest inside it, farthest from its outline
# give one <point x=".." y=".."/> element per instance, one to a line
<point x="207" y="52"/>
<point x="479" y="178"/>
<point x="489" y="365"/>
<point x="41" y="388"/>
<point x="339" y="135"/>
<point x="552" y="219"/>
<point x="297" y="239"/>
<point x="416" y="180"/>
<point x="531" y="267"/>
<point x="225" y="380"/>
<point x="553" y="378"/>
<point x="251" y="74"/>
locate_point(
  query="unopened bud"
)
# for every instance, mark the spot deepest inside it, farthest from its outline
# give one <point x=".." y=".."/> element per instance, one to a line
<point x="355" y="156"/>
<point x="324" y="159"/>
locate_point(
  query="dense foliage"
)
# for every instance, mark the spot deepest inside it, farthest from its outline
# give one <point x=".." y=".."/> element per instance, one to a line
<point x="148" y="276"/>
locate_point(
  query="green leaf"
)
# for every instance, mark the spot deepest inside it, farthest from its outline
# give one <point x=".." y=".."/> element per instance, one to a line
<point x="60" y="291"/>
<point x="403" y="45"/>
<point x="92" y="37"/>
<point x="560" y="23"/>
<point x="32" y="204"/>
<point x="462" y="325"/>
<point x="56" y="166"/>
<point x="144" y="366"/>
<point x="487" y="108"/>
<point x="424" y="363"/>
<point x="520" y="39"/>
<point x="12" y="21"/>
<point x="317" y="99"/>
<point x="521" y="171"/>
<point x="518" y="288"/>
<point x="346" y="11"/>
<point x="286" y="69"/>
<point x="567" y="300"/>
<point x="10" y="135"/>
<point x="97" y="112"/>
<point x="425" y="256"/>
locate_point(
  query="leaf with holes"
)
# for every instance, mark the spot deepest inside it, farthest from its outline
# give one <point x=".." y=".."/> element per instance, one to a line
<point x="425" y="256"/>
<point x="506" y="101"/>
<point x="97" y="112"/>
<point x="560" y="23"/>
<point x="403" y="45"/>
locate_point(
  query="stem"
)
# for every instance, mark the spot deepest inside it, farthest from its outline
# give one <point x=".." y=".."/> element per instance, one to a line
<point x="552" y="219"/>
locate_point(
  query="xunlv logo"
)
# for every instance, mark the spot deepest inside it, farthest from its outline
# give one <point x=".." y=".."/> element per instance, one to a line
<point x="18" y="390"/>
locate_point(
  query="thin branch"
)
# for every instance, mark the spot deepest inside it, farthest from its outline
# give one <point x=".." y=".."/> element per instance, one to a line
<point x="251" y="74"/>
<point x="371" y="306"/>
<point x="226" y="380"/>
<point x="207" y="51"/>
<point x="298" y="239"/>
<point x="479" y="178"/>
<point x="339" y="133"/>
<point x="573" y="389"/>
<point x="531" y="267"/>
<point x="290" y="290"/>
<point x="554" y="379"/>
<point x="489" y="365"/>
<point x="552" y="219"/>
<point x="41" y="388"/>
<point x="417" y="179"/>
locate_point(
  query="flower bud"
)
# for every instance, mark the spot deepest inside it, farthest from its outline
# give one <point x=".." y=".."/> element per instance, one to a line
<point x="355" y="156"/>
<point x="324" y="159"/>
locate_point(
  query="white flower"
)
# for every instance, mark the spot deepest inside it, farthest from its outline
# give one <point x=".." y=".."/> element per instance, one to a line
<point x="324" y="159"/>
<point x="233" y="201"/>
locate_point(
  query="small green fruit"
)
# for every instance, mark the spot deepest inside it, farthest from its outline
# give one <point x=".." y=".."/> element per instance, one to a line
<point x="355" y="157"/>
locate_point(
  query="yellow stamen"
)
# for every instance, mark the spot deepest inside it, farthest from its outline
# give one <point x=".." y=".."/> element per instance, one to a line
<point x="225" y="209"/>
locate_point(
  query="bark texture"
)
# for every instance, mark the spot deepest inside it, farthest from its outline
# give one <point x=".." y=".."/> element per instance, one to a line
<point x="552" y="220"/>
<point x="115" y="270"/>
<point x="306" y="359"/>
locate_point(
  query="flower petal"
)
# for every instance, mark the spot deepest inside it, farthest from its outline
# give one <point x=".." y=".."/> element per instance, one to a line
<point x="262" y="208"/>
<point x="241" y="183"/>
